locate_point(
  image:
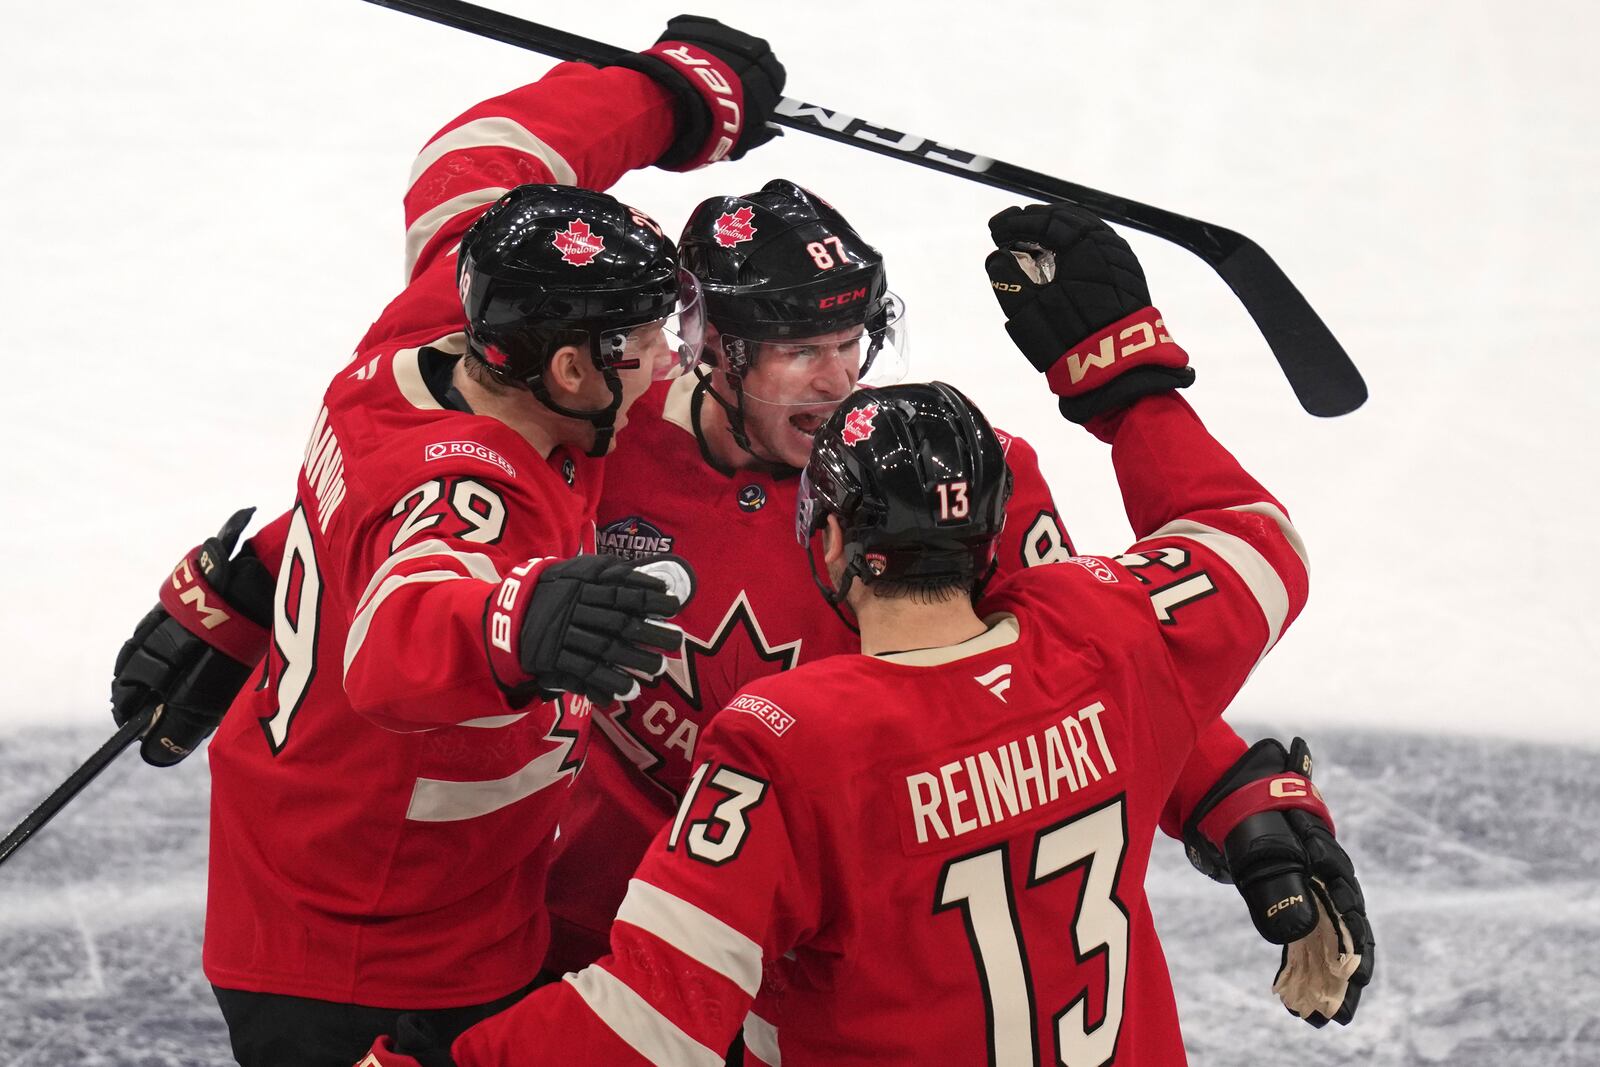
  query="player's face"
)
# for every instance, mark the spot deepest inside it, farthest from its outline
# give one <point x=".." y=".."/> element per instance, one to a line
<point x="648" y="355"/>
<point x="792" y="387"/>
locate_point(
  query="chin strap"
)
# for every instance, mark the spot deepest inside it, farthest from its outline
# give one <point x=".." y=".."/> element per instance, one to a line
<point x="604" y="421"/>
<point x="835" y="597"/>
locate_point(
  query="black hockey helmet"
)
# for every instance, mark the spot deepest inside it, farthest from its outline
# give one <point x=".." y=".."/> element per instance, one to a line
<point x="555" y="265"/>
<point x="919" y="482"/>
<point x="782" y="263"/>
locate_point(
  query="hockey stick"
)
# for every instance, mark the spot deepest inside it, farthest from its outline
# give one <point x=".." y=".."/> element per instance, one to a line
<point x="47" y="809"/>
<point x="1324" y="379"/>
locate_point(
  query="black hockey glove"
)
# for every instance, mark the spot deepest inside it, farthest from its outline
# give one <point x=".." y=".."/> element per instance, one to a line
<point x="193" y="651"/>
<point x="725" y="83"/>
<point x="1277" y="846"/>
<point x="415" y="1044"/>
<point x="589" y="625"/>
<point x="1077" y="305"/>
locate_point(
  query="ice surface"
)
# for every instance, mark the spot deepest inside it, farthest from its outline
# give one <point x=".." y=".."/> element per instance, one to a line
<point x="1477" y="858"/>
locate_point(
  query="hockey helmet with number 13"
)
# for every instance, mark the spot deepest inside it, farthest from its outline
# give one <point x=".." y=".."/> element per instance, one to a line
<point x="919" y="482"/>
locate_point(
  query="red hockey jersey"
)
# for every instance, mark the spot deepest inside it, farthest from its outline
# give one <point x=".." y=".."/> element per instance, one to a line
<point x="381" y="817"/>
<point x="938" y="857"/>
<point x="756" y="611"/>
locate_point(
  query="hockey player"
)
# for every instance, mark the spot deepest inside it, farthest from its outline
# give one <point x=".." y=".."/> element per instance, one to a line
<point x="798" y="313"/>
<point x="891" y="847"/>
<point x="384" y="797"/>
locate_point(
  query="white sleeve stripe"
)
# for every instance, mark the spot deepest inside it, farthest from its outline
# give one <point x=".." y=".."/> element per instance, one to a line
<point x="645" y="1030"/>
<point x="696" y="933"/>
<point x="477" y="565"/>
<point x="363" y="621"/>
<point x="1285" y="527"/>
<point x="480" y="133"/>
<point x="761" y="1038"/>
<point x="491" y="132"/>
<point x="430" y="223"/>
<point x="1245" y="561"/>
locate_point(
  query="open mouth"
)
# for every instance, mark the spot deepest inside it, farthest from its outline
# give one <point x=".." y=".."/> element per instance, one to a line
<point x="807" y="423"/>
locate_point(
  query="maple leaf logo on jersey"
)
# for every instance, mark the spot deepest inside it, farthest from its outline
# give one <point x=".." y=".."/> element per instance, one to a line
<point x="734" y="227"/>
<point x="578" y="244"/>
<point x="858" y="424"/>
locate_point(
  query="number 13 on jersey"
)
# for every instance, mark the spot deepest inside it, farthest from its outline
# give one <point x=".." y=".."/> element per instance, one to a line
<point x="979" y="887"/>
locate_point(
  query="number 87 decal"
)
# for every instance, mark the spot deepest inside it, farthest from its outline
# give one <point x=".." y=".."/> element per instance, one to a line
<point x="980" y="885"/>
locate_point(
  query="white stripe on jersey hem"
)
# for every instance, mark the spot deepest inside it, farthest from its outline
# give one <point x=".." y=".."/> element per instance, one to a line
<point x="437" y="800"/>
<point x="761" y="1038"/>
<point x="430" y="223"/>
<point x="1245" y="561"/>
<point x="693" y="931"/>
<point x="494" y="722"/>
<point x="632" y="1018"/>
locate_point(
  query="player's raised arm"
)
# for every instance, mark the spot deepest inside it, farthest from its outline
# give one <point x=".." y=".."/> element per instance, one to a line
<point x="1226" y="573"/>
<point x="1211" y="541"/>
<point x="702" y="93"/>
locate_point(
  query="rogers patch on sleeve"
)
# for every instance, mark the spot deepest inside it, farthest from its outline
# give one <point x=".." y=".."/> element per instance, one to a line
<point x="776" y="719"/>
<point x="470" y="449"/>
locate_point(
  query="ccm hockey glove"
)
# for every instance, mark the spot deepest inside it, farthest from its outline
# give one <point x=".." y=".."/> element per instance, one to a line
<point x="1077" y="305"/>
<point x="589" y="625"/>
<point x="193" y="651"/>
<point x="1264" y="827"/>
<point x="725" y="85"/>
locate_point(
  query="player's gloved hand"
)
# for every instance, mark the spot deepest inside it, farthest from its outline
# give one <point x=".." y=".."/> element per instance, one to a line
<point x="1264" y="827"/>
<point x="726" y="85"/>
<point x="193" y="651"/>
<point x="414" y="1045"/>
<point x="589" y="625"/>
<point x="1077" y="305"/>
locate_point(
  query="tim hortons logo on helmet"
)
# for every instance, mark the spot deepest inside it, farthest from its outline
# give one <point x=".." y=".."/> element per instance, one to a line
<point x="578" y="244"/>
<point x="841" y="299"/>
<point x="776" y="719"/>
<point x="733" y="227"/>
<point x="858" y="424"/>
<point x="470" y="449"/>
<point x="632" y="537"/>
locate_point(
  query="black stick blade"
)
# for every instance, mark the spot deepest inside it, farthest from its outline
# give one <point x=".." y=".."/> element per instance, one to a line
<point x="1319" y="370"/>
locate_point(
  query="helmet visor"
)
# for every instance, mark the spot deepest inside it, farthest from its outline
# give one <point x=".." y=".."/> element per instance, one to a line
<point x="794" y="371"/>
<point x="670" y="346"/>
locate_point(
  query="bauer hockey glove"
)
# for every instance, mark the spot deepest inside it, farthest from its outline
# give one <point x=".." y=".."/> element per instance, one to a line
<point x="193" y="651"/>
<point x="589" y="625"/>
<point x="1077" y="305"/>
<point x="724" y="83"/>
<point x="1264" y="827"/>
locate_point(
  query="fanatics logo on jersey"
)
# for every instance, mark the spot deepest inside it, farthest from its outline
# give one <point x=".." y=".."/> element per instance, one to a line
<point x="734" y="227"/>
<point x="776" y="719"/>
<point x="632" y="538"/>
<point x="752" y="498"/>
<point x="858" y="424"/>
<point x="578" y="244"/>
<point x="470" y="449"/>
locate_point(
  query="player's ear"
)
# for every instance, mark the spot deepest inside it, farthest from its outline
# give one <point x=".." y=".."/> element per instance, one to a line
<point x="833" y="540"/>
<point x="569" y="368"/>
